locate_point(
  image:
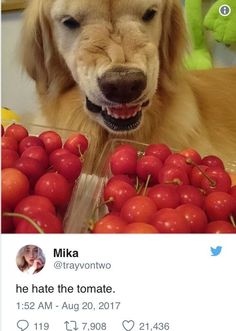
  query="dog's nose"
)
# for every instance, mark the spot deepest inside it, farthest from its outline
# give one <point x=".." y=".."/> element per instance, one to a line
<point x="122" y="85"/>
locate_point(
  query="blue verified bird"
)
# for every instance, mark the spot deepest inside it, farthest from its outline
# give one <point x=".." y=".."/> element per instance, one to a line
<point x="216" y="251"/>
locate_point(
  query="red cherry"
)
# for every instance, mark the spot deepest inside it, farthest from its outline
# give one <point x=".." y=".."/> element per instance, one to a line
<point x="123" y="178"/>
<point x="195" y="217"/>
<point x="2" y="130"/>
<point x="110" y="224"/>
<point x="232" y="191"/>
<point x="220" y="227"/>
<point x="161" y="151"/>
<point x="174" y="175"/>
<point x="149" y="166"/>
<point x="48" y="222"/>
<point x="17" y="131"/>
<point x="117" y="192"/>
<point x="190" y="194"/>
<point x="15" y="186"/>
<point x="32" y="203"/>
<point x="140" y="228"/>
<point x="29" y="142"/>
<point x="38" y="153"/>
<point x="169" y="220"/>
<point x="57" y="153"/>
<point x="32" y="168"/>
<point x="69" y="166"/>
<point x="219" y="206"/>
<point x="212" y="161"/>
<point x="138" y="209"/>
<point x="191" y="156"/>
<point x="76" y="143"/>
<point x="51" y="141"/>
<point x="164" y="196"/>
<point x="125" y="147"/>
<point x="196" y="175"/>
<point x="218" y="180"/>
<point x="178" y="160"/>
<point x="9" y="158"/>
<point x="9" y="143"/>
<point x="123" y="162"/>
<point x="54" y="187"/>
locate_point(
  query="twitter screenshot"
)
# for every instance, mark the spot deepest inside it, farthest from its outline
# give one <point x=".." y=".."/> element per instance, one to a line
<point x="139" y="283"/>
<point x="118" y="165"/>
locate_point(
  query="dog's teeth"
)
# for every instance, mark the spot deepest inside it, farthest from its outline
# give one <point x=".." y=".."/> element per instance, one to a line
<point x="117" y="113"/>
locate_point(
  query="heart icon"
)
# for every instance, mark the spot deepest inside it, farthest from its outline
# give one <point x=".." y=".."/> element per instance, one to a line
<point x="128" y="325"/>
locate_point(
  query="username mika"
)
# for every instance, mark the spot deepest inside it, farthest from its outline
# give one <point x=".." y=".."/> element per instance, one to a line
<point x="65" y="252"/>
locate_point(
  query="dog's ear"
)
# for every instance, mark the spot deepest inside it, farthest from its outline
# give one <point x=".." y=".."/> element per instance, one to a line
<point x="40" y="57"/>
<point x="173" y="44"/>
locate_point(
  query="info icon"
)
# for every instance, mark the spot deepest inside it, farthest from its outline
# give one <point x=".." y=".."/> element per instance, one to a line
<point x="225" y="10"/>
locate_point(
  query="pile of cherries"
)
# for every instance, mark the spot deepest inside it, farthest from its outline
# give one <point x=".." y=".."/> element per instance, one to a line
<point x="158" y="191"/>
<point x="38" y="175"/>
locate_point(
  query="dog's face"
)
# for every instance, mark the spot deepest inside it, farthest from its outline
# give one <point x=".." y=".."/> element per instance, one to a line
<point x="111" y="49"/>
<point x="114" y="51"/>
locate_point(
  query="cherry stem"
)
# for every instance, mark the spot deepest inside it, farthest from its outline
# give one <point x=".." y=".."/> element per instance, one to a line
<point x="190" y="161"/>
<point x="26" y="218"/>
<point x="146" y="184"/>
<point x="140" y="153"/>
<point x="104" y="203"/>
<point x="92" y="220"/>
<point x="232" y="220"/>
<point x="91" y="224"/>
<point x="137" y="183"/>
<point x="81" y="154"/>
<point x="139" y="189"/>
<point x="175" y="181"/>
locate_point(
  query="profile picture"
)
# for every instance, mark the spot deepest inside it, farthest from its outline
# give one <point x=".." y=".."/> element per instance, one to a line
<point x="30" y="259"/>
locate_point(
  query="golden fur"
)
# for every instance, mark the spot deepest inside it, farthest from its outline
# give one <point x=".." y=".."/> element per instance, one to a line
<point x="188" y="109"/>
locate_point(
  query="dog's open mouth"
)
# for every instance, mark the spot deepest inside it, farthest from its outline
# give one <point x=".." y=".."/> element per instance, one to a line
<point x="121" y="117"/>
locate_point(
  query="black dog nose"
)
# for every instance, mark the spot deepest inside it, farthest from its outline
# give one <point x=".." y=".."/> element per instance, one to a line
<point x="122" y="85"/>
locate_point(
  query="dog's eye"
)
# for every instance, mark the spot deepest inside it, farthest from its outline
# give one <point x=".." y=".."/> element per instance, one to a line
<point x="71" y="23"/>
<point x="149" y="15"/>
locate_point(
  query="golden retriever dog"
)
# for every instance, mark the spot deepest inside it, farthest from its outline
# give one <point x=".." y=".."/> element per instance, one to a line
<point x="115" y="69"/>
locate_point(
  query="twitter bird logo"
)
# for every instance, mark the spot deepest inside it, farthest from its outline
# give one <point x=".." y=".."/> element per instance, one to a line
<point x="216" y="251"/>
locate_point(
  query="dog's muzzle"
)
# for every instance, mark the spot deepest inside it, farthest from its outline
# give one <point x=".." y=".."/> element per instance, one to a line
<point x="121" y="87"/>
<point x="119" y="118"/>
